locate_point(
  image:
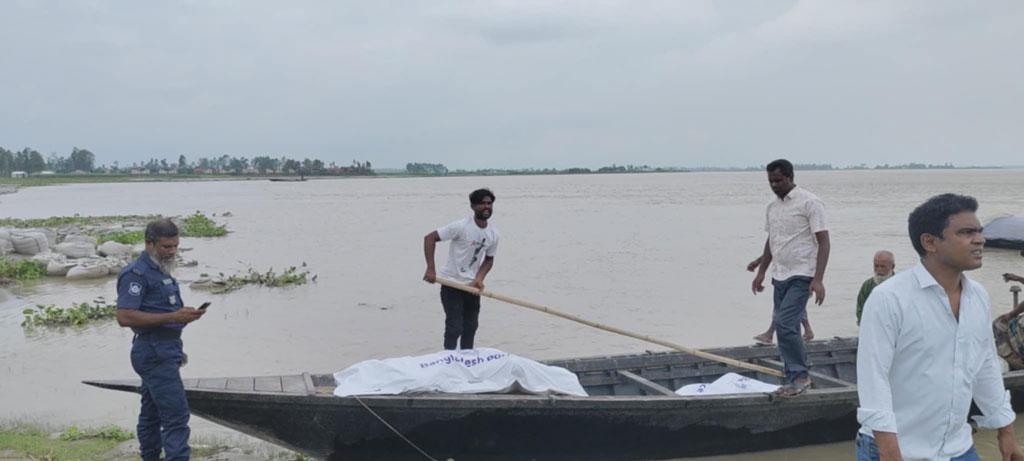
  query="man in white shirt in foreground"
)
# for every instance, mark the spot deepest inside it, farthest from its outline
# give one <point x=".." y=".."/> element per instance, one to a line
<point x="926" y="348"/>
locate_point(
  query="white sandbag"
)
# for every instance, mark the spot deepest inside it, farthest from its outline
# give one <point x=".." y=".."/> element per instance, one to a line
<point x="80" y="238"/>
<point x="84" y="272"/>
<point x="729" y="383"/>
<point x="47" y="256"/>
<point x="76" y="249"/>
<point x="51" y="235"/>
<point x="114" y="264"/>
<point x="116" y="249"/>
<point x="58" y="267"/>
<point x="472" y="371"/>
<point x="29" y="242"/>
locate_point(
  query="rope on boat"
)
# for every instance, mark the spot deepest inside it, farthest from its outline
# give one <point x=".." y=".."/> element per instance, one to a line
<point x="399" y="434"/>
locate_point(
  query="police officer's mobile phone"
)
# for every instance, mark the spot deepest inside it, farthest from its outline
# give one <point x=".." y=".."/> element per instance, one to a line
<point x="204" y="306"/>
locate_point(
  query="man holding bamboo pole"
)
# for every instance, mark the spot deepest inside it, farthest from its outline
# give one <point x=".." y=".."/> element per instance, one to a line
<point x="474" y="242"/>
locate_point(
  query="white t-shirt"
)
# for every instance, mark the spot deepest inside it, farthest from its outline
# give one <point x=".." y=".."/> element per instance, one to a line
<point x="469" y="245"/>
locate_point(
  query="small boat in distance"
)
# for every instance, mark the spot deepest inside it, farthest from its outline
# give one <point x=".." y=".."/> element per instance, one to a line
<point x="288" y="179"/>
<point x="632" y="411"/>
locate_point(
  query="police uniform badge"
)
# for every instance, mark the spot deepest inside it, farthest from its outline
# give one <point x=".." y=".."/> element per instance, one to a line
<point x="135" y="288"/>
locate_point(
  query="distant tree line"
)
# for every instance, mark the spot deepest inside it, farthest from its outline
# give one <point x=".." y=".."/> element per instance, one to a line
<point x="27" y="160"/>
<point x="611" y="169"/>
<point x="429" y="169"/>
<point x="31" y="161"/>
<point x="437" y="169"/>
<point x="862" y="166"/>
<point x="261" y="164"/>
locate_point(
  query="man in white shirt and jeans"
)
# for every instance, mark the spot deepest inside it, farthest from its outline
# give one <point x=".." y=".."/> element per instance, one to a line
<point x="797" y="248"/>
<point x="926" y="348"/>
<point x="474" y="242"/>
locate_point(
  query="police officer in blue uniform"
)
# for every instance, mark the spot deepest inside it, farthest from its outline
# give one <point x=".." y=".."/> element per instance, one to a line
<point x="149" y="301"/>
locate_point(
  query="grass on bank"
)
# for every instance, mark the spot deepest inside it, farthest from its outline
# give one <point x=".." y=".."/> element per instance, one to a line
<point x="37" y="181"/>
<point x="72" y="444"/>
<point x="58" y="221"/>
<point x="195" y="225"/>
<point x="79" y="314"/>
<point x="126" y="237"/>
<point x="31" y="441"/>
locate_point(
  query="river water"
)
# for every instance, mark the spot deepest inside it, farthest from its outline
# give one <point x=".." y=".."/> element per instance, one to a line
<point x="662" y="254"/>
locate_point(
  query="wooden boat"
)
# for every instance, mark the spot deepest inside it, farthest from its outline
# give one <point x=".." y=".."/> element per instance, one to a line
<point x="632" y="411"/>
<point x="1005" y="232"/>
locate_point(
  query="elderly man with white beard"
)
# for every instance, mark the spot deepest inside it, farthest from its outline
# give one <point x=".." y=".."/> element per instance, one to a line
<point x="149" y="301"/>
<point x="885" y="267"/>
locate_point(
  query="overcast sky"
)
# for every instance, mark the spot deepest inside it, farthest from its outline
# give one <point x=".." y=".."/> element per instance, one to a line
<point x="475" y="84"/>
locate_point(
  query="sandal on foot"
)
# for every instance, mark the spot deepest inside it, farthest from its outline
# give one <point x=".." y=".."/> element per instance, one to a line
<point x="792" y="389"/>
<point x="761" y="342"/>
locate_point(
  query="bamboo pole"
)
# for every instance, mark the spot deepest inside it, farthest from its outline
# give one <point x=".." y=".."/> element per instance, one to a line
<point x="660" y="342"/>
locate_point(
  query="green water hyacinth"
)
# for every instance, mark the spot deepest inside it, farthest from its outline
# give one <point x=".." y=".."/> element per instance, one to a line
<point x="221" y="284"/>
<point x="49" y="315"/>
<point x="198" y="225"/>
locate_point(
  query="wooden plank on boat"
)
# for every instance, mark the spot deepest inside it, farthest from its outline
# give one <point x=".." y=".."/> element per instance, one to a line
<point x="308" y="381"/>
<point x="687" y="374"/>
<point x="646" y="384"/>
<point x="190" y="383"/>
<point x="293" y="384"/>
<point x="814" y="374"/>
<point x="636" y="361"/>
<point x="267" y="383"/>
<point x="240" y="384"/>
<point x="213" y="383"/>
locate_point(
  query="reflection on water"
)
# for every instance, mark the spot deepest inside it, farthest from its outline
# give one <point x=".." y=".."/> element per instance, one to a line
<point x="662" y="254"/>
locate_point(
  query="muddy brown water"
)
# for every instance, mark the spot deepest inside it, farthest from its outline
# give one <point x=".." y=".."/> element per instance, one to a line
<point x="662" y="254"/>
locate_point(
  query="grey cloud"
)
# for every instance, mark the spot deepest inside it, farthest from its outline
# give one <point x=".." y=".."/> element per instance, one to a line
<point x="517" y="84"/>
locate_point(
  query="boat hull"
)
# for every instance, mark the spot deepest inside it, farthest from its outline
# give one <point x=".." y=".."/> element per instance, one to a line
<point x="624" y="418"/>
<point x="538" y="428"/>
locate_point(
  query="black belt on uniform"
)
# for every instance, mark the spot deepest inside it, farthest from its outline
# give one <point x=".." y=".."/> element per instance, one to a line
<point x="159" y="334"/>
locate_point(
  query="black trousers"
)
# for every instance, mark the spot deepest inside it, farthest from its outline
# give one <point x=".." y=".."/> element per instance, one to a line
<point x="461" y="314"/>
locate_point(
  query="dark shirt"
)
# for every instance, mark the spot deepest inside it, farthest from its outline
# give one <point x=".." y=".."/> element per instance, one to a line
<point x="142" y="286"/>
<point x="862" y="296"/>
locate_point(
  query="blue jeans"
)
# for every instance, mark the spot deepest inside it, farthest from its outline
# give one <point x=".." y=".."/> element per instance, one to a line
<point x="867" y="450"/>
<point x="163" y="420"/>
<point x="791" y="297"/>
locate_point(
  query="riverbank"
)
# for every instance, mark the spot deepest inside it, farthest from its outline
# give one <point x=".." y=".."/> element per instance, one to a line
<point x="10" y="185"/>
<point x="31" y="442"/>
<point x="83" y="247"/>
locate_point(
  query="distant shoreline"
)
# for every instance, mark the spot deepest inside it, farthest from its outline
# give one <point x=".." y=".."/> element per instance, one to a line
<point x="11" y="185"/>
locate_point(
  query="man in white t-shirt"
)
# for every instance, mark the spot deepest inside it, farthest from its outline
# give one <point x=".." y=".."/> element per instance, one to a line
<point x="474" y="242"/>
